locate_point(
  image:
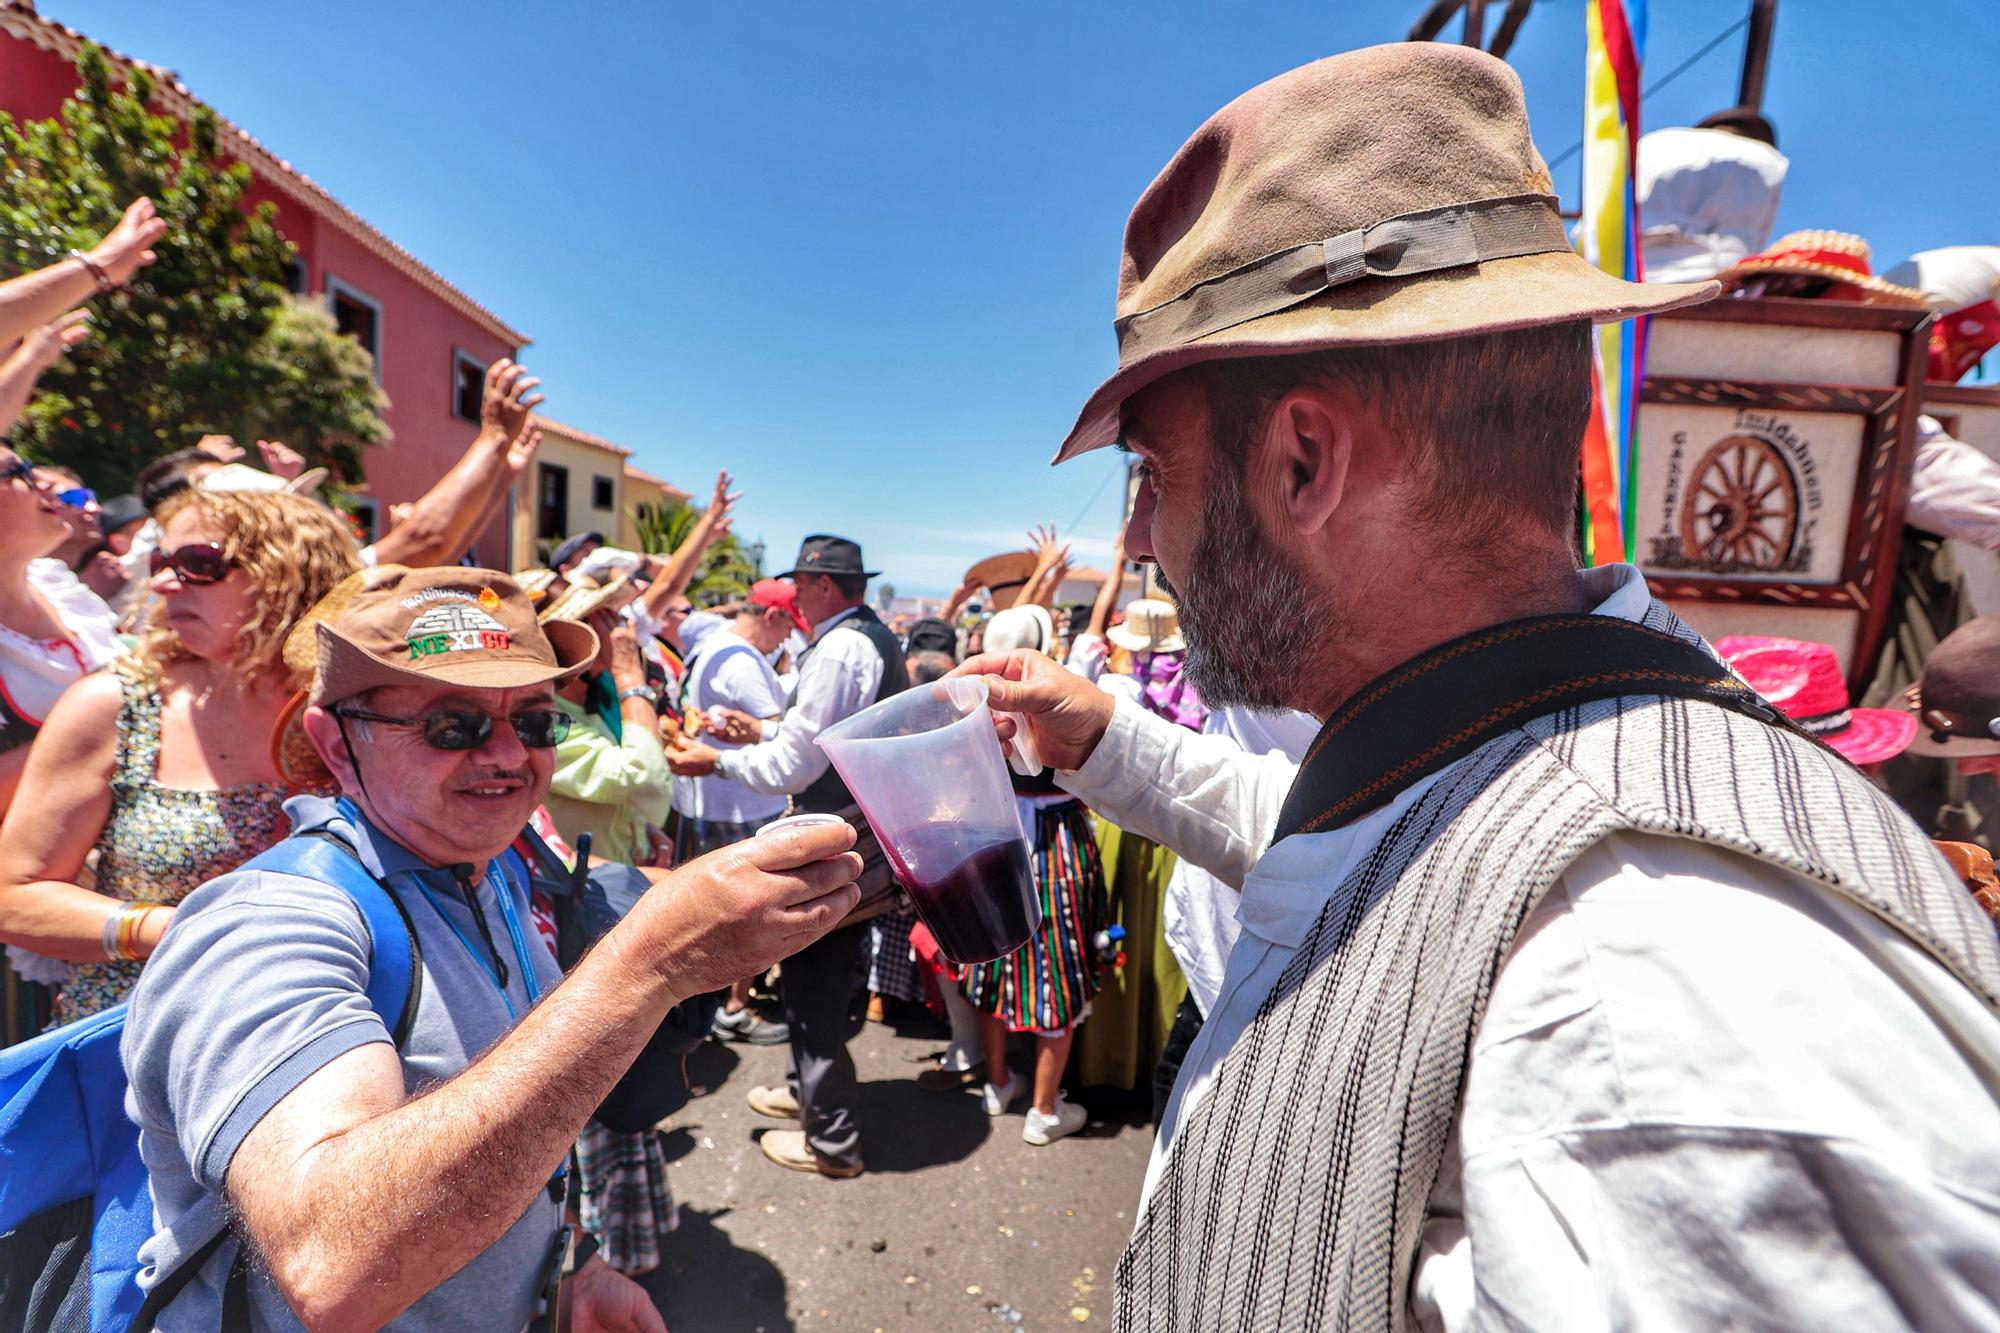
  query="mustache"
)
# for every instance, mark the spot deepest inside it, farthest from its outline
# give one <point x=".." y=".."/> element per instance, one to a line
<point x="485" y="776"/>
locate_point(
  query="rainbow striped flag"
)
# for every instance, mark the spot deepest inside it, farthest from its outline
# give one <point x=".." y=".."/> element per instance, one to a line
<point x="1608" y="237"/>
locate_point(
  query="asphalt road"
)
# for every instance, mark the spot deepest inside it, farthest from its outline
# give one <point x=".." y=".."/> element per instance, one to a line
<point x="957" y="1224"/>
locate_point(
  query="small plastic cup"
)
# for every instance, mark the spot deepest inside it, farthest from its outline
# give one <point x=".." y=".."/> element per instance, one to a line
<point x="927" y="770"/>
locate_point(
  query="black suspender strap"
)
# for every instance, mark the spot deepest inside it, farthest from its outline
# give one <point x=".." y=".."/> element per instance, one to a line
<point x="1437" y="708"/>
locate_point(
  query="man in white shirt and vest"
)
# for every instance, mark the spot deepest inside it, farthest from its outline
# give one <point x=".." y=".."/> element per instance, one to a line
<point x="854" y="661"/>
<point x="1573" y="989"/>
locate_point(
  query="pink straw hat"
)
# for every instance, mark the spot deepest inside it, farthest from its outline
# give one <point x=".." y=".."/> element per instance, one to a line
<point x="1803" y="681"/>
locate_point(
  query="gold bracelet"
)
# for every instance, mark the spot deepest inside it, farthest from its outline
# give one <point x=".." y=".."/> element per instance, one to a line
<point x="127" y="915"/>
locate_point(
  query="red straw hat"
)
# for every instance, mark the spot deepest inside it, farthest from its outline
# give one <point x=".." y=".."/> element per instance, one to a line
<point x="1803" y="681"/>
<point x="1813" y="257"/>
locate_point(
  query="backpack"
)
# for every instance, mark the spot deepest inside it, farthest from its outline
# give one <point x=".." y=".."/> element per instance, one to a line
<point x="75" y="1205"/>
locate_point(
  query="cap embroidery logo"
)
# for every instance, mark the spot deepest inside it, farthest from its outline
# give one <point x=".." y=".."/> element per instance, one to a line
<point x="488" y="599"/>
<point x="454" y="629"/>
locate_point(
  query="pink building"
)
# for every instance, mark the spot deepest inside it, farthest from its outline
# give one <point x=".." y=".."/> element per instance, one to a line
<point x="431" y="342"/>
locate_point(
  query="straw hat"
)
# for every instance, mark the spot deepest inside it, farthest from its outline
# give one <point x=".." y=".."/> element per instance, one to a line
<point x="585" y="596"/>
<point x="1151" y="626"/>
<point x="1004" y="576"/>
<point x="1803" y="681"/>
<point x="236" y="477"/>
<point x="536" y="582"/>
<point x="1835" y="256"/>
<point x="1386" y="195"/>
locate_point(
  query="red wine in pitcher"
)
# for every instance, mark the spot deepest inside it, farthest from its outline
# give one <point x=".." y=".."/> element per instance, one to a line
<point x="983" y="908"/>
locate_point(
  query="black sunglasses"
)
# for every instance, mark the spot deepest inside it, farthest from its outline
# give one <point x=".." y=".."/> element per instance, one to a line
<point x="468" y="729"/>
<point x="197" y="562"/>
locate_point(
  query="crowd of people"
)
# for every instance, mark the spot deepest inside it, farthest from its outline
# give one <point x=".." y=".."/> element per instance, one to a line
<point x="1533" y="961"/>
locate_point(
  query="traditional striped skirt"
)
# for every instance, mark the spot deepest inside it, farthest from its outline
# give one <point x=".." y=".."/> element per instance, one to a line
<point x="1046" y="984"/>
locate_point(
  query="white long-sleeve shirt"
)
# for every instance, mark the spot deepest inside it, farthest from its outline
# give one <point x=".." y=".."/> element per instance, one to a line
<point x="1200" y="911"/>
<point x="1706" y="1093"/>
<point x="840" y="677"/>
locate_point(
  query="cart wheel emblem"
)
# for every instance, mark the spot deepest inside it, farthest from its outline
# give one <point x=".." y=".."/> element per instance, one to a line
<point x="1742" y="510"/>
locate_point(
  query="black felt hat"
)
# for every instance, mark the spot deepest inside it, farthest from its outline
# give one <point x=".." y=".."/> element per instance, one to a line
<point x="825" y="554"/>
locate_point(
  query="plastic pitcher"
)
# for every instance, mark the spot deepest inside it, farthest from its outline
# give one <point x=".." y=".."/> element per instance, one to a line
<point x="928" y="772"/>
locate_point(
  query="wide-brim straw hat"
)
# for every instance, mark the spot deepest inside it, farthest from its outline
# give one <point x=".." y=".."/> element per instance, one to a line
<point x="585" y="596"/>
<point x="1004" y="576"/>
<point x="1387" y="195"/>
<point x="1151" y="626"/>
<point x="536" y="582"/>
<point x="1837" y="256"/>
<point x="1802" y="680"/>
<point x="242" y="479"/>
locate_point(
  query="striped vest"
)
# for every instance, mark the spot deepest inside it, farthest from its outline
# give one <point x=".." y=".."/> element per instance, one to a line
<point x="1295" y="1191"/>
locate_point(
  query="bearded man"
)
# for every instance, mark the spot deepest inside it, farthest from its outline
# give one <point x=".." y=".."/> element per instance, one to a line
<point x="1573" y="989"/>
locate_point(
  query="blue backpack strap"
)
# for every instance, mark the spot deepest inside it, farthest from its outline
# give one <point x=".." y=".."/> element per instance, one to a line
<point x="395" y="985"/>
<point x="395" y="963"/>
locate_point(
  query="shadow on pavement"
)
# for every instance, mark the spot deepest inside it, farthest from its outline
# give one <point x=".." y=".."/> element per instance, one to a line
<point x="905" y="1128"/>
<point x="707" y="1281"/>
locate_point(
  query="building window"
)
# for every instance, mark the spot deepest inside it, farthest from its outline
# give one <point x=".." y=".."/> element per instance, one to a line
<point x="601" y="494"/>
<point x="356" y="314"/>
<point x="294" y="279"/>
<point x="551" y="503"/>
<point x="364" y="518"/>
<point x="468" y="385"/>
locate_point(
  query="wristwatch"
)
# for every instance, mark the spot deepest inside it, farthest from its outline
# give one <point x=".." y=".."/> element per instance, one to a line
<point x="646" y="692"/>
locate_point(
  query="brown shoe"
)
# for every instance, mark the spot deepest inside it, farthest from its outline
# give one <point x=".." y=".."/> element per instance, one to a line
<point x="789" y="1149"/>
<point x="875" y="1009"/>
<point x="776" y="1102"/>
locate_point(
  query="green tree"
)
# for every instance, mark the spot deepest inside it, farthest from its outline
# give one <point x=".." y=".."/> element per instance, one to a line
<point x="725" y="574"/>
<point x="203" y="341"/>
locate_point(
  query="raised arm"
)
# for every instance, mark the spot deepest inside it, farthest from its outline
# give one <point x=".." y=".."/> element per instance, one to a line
<point x="672" y="573"/>
<point x="361" y="1199"/>
<point x="42" y="348"/>
<point x="1107" y="596"/>
<point x="1049" y="553"/>
<point x="443" y="522"/>
<point x="39" y="297"/>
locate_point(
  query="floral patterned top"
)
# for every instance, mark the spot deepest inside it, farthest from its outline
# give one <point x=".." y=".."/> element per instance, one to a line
<point x="161" y="843"/>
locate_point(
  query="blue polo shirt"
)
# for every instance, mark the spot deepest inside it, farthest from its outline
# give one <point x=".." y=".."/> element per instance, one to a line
<point x="260" y="982"/>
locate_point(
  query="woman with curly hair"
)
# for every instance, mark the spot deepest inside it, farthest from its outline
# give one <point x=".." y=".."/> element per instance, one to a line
<point x="162" y="765"/>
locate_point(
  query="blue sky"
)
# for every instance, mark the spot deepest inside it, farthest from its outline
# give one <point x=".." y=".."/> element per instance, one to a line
<point x="864" y="255"/>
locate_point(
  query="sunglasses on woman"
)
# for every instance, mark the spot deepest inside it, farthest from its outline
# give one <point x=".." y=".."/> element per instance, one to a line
<point x="20" y="468"/>
<point x="468" y="729"/>
<point x="197" y="562"/>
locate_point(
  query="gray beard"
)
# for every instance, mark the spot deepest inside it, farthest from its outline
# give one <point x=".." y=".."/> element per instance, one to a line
<point x="1252" y="622"/>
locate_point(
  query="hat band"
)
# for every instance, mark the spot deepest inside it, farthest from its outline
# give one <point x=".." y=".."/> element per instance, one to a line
<point x="1399" y="247"/>
<point x="1826" y="724"/>
<point x="1948" y="725"/>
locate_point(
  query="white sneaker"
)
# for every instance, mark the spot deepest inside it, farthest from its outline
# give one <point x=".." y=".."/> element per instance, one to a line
<point x="1042" y="1130"/>
<point x="997" y="1100"/>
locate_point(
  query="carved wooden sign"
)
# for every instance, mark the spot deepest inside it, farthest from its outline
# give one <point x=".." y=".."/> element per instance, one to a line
<point x="1771" y="491"/>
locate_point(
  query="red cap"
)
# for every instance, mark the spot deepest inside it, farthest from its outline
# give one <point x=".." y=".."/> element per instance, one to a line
<point x="783" y="594"/>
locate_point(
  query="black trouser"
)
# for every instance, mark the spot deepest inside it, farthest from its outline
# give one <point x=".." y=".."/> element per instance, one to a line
<point x="1187" y="1026"/>
<point x="818" y="987"/>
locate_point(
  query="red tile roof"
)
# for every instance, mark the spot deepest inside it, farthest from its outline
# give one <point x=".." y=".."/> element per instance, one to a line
<point x="19" y="19"/>
<point x="569" y="432"/>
